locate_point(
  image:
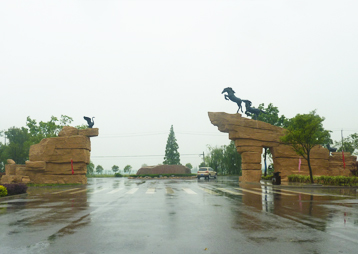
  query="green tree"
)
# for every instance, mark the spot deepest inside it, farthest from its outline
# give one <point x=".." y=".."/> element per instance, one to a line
<point x="215" y="158"/>
<point x="188" y="165"/>
<point x="90" y="168"/>
<point x="2" y="161"/>
<point x="272" y="115"/>
<point x="224" y="160"/>
<point x="350" y="143"/>
<point x="115" y="168"/>
<point x="99" y="169"/>
<point x="81" y="127"/>
<point x="202" y="164"/>
<point x="18" y="146"/>
<point x="305" y="132"/>
<point x="127" y="169"/>
<point x="41" y="130"/>
<point x="232" y="159"/>
<point x="20" y="139"/>
<point x="172" y="156"/>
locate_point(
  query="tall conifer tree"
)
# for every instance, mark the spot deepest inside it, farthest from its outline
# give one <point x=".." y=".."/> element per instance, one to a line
<point x="172" y="156"/>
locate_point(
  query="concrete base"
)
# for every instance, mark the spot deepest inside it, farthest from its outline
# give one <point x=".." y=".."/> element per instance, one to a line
<point x="250" y="176"/>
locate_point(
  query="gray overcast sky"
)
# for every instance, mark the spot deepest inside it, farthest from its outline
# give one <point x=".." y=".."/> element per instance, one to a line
<point x="141" y="66"/>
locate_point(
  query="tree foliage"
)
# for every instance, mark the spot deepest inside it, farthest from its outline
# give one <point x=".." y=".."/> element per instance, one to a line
<point x="224" y="160"/>
<point x="41" y="130"/>
<point x="350" y="144"/>
<point x="127" y="169"/>
<point x="20" y="139"/>
<point x="2" y="160"/>
<point x="188" y="165"/>
<point x="115" y="168"/>
<point x="90" y="168"/>
<point x="18" y="145"/>
<point x="272" y="116"/>
<point x="172" y="156"/>
<point x="202" y="164"/>
<point x="305" y="132"/>
<point x="99" y="169"/>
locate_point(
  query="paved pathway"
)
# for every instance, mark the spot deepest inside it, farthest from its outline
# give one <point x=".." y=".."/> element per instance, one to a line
<point x="113" y="215"/>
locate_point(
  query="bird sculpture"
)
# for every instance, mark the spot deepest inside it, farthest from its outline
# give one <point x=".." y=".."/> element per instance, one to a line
<point x="89" y="121"/>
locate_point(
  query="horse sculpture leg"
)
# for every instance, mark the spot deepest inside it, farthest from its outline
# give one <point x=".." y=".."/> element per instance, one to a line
<point x="240" y="107"/>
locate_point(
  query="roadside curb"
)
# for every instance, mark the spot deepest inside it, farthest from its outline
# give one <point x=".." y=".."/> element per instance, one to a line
<point x="13" y="197"/>
<point x="314" y="187"/>
<point x="302" y="186"/>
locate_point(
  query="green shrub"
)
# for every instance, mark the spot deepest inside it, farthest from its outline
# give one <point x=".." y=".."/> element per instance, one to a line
<point x="15" y="188"/>
<point x="267" y="177"/>
<point x="300" y="178"/>
<point x="326" y="180"/>
<point x="3" y="191"/>
<point x="354" y="168"/>
<point x="118" y="175"/>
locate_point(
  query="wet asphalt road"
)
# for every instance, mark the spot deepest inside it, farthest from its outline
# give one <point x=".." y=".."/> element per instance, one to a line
<point x="113" y="215"/>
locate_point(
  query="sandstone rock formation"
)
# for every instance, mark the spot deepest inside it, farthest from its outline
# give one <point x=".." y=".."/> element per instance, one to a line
<point x="50" y="160"/>
<point x="251" y="136"/>
<point x="164" y="169"/>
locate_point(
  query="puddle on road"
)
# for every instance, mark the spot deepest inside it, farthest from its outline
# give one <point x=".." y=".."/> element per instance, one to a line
<point x="71" y="228"/>
<point x="262" y="239"/>
<point x="19" y="201"/>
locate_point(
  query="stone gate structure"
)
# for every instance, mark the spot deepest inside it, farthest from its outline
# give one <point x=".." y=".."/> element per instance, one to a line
<point x="50" y="160"/>
<point x="251" y="136"/>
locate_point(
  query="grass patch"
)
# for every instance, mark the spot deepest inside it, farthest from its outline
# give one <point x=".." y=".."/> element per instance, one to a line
<point x="100" y="176"/>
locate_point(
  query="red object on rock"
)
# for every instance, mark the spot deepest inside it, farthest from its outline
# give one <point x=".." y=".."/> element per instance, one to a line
<point x="344" y="162"/>
<point x="72" y="166"/>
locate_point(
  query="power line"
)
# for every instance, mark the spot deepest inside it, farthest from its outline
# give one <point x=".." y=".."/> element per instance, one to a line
<point x="345" y="130"/>
<point x="134" y="156"/>
<point x="127" y="135"/>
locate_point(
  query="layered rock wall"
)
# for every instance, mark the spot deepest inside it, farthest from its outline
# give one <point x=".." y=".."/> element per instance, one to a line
<point x="251" y="136"/>
<point x="50" y="160"/>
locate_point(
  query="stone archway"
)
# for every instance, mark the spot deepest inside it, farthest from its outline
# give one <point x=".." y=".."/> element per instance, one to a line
<point x="251" y="136"/>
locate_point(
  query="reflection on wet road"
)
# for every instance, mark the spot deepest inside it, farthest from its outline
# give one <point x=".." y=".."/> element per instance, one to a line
<point x="180" y="216"/>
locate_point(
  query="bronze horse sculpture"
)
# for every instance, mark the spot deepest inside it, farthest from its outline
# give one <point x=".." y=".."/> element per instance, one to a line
<point x="230" y="96"/>
<point x="251" y="110"/>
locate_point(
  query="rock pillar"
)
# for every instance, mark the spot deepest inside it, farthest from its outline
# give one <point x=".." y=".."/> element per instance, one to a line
<point x="250" y="162"/>
<point x="50" y="160"/>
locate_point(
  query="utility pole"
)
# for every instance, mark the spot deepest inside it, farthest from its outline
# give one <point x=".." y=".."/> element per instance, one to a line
<point x="203" y="157"/>
<point x="344" y="162"/>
